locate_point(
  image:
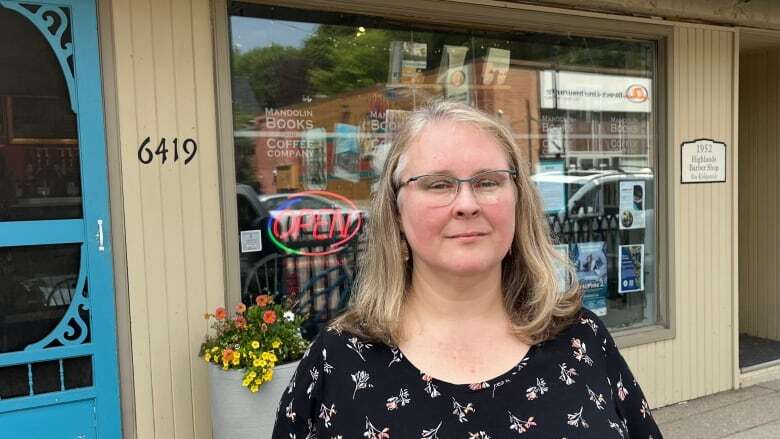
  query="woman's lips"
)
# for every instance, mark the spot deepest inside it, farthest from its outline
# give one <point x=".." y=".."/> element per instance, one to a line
<point x="467" y="237"/>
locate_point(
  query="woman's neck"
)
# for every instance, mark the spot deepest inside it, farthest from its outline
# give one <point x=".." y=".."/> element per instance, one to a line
<point x="437" y="301"/>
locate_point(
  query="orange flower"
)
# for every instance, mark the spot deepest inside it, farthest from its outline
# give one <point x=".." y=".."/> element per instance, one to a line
<point x="227" y="354"/>
<point x="240" y="308"/>
<point x="262" y="300"/>
<point x="240" y="322"/>
<point x="220" y="313"/>
<point x="269" y="317"/>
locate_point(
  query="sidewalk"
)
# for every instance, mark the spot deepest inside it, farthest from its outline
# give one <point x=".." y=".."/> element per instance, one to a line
<point x="751" y="412"/>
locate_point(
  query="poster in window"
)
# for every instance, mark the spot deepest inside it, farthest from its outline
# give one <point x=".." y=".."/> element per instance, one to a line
<point x="561" y="272"/>
<point x="590" y="261"/>
<point x="315" y="159"/>
<point x="496" y="66"/>
<point x="346" y="155"/>
<point x="549" y="182"/>
<point x="632" y="205"/>
<point x="554" y="140"/>
<point x="454" y="74"/>
<point x="407" y="62"/>
<point x="631" y="268"/>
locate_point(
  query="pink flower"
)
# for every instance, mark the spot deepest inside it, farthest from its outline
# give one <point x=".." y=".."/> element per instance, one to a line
<point x="220" y="313"/>
<point x="240" y="308"/>
<point x="240" y="322"/>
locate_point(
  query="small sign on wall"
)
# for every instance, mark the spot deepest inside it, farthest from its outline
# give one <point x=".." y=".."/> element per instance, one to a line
<point x="703" y="161"/>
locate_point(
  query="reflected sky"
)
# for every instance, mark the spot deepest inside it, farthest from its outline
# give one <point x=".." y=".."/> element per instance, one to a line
<point x="249" y="33"/>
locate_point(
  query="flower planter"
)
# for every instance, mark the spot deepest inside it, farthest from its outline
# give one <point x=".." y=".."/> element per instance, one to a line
<point x="237" y="413"/>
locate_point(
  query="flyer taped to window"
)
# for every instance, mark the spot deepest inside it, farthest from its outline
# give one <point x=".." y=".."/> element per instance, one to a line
<point x="632" y="205"/>
<point x="631" y="268"/>
<point x="590" y="260"/>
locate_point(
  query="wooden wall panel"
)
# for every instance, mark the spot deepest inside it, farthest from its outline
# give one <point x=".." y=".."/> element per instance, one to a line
<point x="759" y="126"/>
<point x="165" y="88"/>
<point x="698" y="361"/>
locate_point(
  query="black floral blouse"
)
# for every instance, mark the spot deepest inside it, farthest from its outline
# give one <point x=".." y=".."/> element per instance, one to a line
<point x="576" y="385"/>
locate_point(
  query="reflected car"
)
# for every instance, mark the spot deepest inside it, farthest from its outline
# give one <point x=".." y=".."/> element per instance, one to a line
<point x="593" y="193"/>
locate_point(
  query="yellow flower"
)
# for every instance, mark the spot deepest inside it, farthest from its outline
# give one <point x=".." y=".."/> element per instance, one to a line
<point x="268" y="375"/>
<point x="263" y="363"/>
<point x="254" y="389"/>
<point x="225" y="366"/>
<point x="235" y="362"/>
<point x="207" y="357"/>
<point x="258" y="381"/>
<point x="251" y="374"/>
<point x="275" y="344"/>
<point x="256" y="363"/>
<point x="255" y="344"/>
<point x="236" y="355"/>
<point x="272" y="357"/>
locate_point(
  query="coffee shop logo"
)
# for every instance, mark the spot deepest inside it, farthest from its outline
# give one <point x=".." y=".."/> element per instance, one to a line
<point x="637" y="93"/>
<point x="294" y="228"/>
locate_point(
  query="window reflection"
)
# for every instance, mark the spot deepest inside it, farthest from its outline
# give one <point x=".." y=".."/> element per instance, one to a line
<point x="318" y="97"/>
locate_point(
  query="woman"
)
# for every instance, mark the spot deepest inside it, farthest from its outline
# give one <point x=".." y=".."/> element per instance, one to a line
<point x="457" y="328"/>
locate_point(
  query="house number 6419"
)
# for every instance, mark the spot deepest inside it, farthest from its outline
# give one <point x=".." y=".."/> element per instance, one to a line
<point x="187" y="148"/>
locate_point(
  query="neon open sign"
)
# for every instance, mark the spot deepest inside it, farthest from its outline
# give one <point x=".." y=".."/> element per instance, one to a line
<point x="334" y="227"/>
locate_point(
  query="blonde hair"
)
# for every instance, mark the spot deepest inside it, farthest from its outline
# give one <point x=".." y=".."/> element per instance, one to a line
<point x="537" y="308"/>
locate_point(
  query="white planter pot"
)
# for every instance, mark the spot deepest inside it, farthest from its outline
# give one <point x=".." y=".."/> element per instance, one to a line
<point x="237" y="413"/>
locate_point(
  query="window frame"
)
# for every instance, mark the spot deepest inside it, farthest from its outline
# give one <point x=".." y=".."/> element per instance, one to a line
<point x="483" y="15"/>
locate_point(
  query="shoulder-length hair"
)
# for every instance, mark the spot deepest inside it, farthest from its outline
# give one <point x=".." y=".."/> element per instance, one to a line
<point x="532" y="294"/>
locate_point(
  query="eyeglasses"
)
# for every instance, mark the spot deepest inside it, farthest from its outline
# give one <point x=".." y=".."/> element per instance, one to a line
<point x="438" y="190"/>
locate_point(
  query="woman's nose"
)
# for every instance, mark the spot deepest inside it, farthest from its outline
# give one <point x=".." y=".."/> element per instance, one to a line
<point x="465" y="203"/>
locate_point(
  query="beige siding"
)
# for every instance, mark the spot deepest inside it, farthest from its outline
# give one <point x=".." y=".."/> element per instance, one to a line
<point x="760" y="122"/>
<point x="165" y="87"/>
<point x="698" y="361"/>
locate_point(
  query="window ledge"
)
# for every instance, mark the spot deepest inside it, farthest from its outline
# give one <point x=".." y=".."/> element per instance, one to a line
<point x="649" y="334"/>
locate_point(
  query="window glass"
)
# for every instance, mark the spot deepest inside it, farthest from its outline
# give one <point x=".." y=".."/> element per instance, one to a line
<point x="40" y="171"/>
<point x="317" y="97"/>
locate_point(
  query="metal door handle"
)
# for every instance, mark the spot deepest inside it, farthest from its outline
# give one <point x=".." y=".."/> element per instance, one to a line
<point x="99" y="235"/>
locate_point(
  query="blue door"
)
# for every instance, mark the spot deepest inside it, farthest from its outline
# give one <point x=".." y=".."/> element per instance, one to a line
<point x="58" y="364"/>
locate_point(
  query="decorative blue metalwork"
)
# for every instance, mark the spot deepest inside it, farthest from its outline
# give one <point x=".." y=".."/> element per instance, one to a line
<point x="72" y="329"/>
<point x="44" y="18"/>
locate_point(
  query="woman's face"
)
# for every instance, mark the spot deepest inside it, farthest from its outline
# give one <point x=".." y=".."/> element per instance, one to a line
<point x="465" y="237"/>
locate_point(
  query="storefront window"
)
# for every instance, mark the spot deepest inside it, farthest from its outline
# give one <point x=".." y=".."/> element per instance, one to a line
<point x="318" y="95"/>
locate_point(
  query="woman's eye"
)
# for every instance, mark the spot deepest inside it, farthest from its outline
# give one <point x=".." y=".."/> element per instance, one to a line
<point x="439" y="185"/>
<point x="487" y="183"/>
